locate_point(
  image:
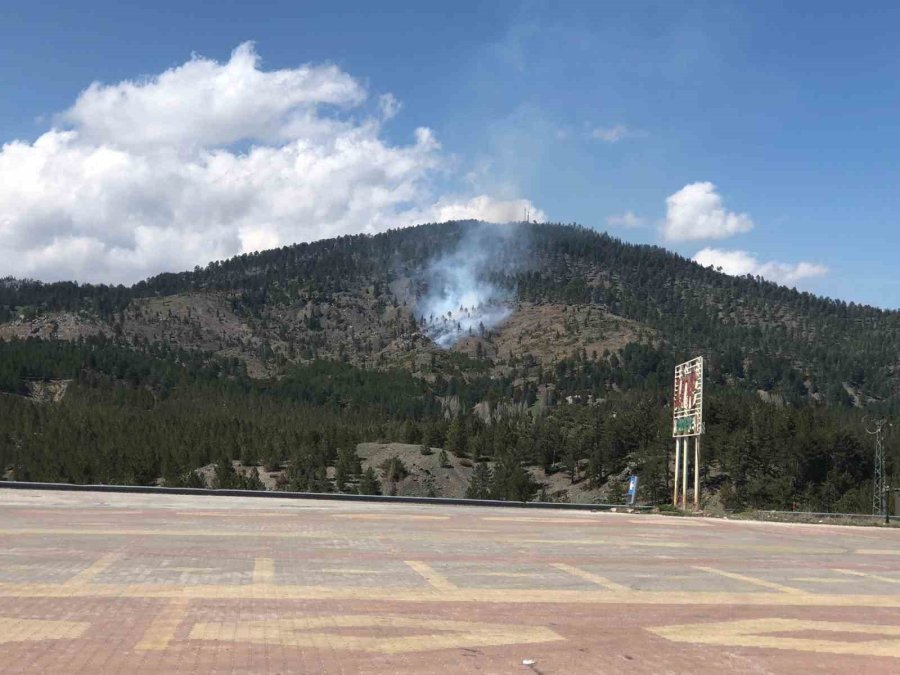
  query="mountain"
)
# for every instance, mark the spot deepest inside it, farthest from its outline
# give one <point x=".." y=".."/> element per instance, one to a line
<point x="512" y="346"/>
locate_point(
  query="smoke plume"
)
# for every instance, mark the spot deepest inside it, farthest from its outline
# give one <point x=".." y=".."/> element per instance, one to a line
<point x="462" y="300"/>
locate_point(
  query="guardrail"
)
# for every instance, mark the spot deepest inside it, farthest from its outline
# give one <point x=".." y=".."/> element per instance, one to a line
<point x="326" y="496"/>
<point x="787" y="515"/>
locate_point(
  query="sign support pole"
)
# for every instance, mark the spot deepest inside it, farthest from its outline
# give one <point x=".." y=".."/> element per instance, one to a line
<point x="696" y="473"/>
<point x="684" y="476"/>
<point x="677" y="466"/>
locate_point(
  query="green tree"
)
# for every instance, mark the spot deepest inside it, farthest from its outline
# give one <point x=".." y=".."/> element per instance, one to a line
<point x="457" y="436"/>
<point x="368" y="484"/>
<point x="480" y="482"/>
<point x="225" y="476"/>
<point x="510" y="481"/>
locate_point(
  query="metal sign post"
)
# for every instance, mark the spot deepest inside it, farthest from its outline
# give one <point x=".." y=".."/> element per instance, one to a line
<point x="677" y="467"/>
<point x="687" y="423"/>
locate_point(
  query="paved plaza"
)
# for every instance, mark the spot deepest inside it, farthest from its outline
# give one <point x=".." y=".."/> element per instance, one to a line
<point x="119" y="583"/>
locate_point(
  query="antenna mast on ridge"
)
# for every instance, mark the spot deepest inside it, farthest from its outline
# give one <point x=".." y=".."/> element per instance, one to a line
<point x="879" y="494"/>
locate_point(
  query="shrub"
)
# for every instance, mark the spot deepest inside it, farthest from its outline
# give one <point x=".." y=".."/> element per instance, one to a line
<point x="394" y="469"/>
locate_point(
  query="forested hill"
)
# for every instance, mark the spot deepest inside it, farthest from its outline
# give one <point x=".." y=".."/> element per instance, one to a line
<point x="286" y="305"/>
<point x="498" y="328"/>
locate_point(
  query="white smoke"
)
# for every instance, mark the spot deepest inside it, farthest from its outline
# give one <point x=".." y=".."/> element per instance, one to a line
<point x="461" y="300"/>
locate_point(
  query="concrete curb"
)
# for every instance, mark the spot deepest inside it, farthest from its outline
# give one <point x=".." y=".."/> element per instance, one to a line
<point x="144" y="489"/>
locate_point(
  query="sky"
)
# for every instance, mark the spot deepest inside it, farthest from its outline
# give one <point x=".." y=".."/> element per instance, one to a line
<point x="759" y="137"/>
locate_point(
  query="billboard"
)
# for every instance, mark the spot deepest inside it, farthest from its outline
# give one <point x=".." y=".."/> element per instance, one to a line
<point x="687" y="406"/>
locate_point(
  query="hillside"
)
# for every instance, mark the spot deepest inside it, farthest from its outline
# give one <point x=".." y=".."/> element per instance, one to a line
<point x="551" y="344"/>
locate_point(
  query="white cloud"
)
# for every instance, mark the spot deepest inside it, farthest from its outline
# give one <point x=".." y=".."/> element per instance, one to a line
<point x="205" y="103"/>
<point x="484" y="208"/>
<point x="212" y="159"/>
<point x="627" y="220"/>
<point x="696" y="212"/>
<point x="616" y="133"/>
<point x="739" y="263"/>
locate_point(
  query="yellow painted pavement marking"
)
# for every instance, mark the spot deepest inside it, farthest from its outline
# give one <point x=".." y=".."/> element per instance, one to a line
<point x="605" y="542"/>
<point x="535" y="519"/>
<point x="822" y="580"/>
<point x="334" y="632"/>
<point x="240" y="514"/>
<point x="655" y="522"/>
<point x="293" y="534"/>
<point x="509" y="575"/>
<point x="866" y="575"/>
<point x="436" y="579"/>
<point x="385" y="516"/>
<point x="87" y="575"/>
<point x="87" y="511"/>
<point x="758" y="633"/>
<point x="593" y="578"/>
<point x="168" y="533"/>
<point x="452" y="594"/>
<point x="161" y="631"/>
<point x="264" y="571"/>
<point x="750" y="580"/>
<point x="877" y="551"/>
<point x="35" y="630"/>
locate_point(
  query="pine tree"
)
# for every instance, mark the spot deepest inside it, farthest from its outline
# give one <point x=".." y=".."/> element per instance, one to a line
<point x="346" y="468"/>
<point x="434" y="435"/>
<point x="194" y="480"/>
<point x="252" y="481"/>
<point x="480" y="482"/>
<point x="368" y="484"/>
<point x="457" y="437"/>
<point x="225" y="476"/>
<point x="571" y="464"/>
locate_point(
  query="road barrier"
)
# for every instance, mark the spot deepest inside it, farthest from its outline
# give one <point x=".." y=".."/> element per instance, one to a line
<point x="336" y="496"/>
<point x="820" y="516"/>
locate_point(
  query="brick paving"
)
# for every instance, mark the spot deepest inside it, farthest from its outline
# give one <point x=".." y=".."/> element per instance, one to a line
<point x="110" y="583"/>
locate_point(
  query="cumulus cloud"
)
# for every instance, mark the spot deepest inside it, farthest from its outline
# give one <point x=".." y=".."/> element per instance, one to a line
<point x="739" y="263"/>
<point x="484" y="208"/>
<point x="210" y="159"/>
<point x="205" y="103"/>
<point x="696" y="212"/>
<point x="627" y="220"/>
<point x="616" y="133"/>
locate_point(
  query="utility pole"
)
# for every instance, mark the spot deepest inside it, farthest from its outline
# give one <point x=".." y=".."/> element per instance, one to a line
<point x="879" y="493"/>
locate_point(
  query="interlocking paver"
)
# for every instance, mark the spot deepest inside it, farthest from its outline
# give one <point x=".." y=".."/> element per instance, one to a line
<point x="95" y="583"/>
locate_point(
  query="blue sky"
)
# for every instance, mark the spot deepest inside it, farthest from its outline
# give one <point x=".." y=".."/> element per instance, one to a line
<point x="782" y="116"/>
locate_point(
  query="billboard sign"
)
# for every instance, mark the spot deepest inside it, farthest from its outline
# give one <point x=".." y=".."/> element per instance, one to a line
<point x="687" y="406"/>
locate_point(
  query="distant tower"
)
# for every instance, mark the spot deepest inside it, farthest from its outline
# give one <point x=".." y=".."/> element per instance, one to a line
<point x="879" y="497"/>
